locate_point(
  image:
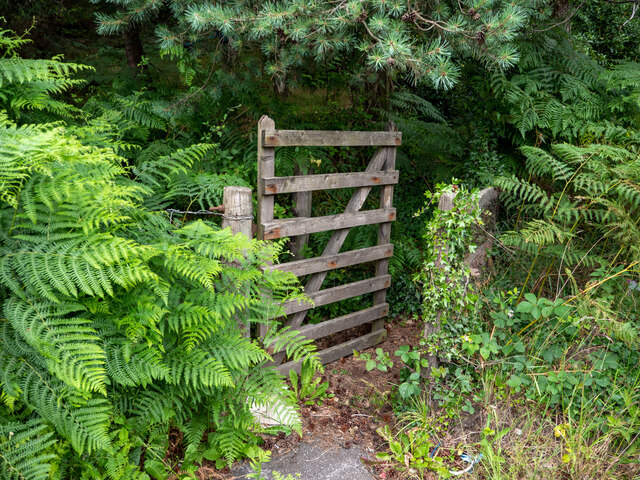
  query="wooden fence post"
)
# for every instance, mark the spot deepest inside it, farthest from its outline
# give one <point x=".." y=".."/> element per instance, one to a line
<point x="238" y="215"/>
<point x="487" y="203"/>
<point x="238" y="210"/>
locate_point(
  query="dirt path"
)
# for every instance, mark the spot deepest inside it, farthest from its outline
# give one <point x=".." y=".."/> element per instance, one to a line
<point x="343" y="428"/>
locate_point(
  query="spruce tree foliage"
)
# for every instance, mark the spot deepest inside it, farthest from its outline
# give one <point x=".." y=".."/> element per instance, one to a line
<point x="116" y="324"/>
<point x="413" y="40"/>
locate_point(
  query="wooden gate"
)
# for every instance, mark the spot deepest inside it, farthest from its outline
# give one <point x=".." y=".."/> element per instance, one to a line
<point x="379" y="172"/>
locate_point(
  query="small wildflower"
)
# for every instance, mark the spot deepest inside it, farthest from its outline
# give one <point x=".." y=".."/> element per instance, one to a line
<point x="510" y="313"/>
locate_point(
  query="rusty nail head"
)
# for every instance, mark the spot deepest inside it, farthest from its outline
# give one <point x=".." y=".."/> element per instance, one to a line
<point x="219" y="208"/>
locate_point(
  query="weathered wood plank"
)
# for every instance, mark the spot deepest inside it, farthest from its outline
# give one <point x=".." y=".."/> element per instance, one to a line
<point x="337" y="294"/>
<point x="266" y="168"/>
<point x="331" y="262"/>
<point x="345" y="322"/>
<point x="298" y="226"/>
<point x="329" y="181"/>
<point x="344" y="349"/>
<point x="324" y="138"/>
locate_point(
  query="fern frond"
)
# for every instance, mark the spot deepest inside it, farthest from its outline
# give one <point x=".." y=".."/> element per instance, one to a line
<point x="195" y="428"/>
<point x="26" y="450"/>
<point x="407" y="102"/>
<point x="523" y="190"/>
<point x="156" y="405"/>
<point x="134" y="365"/>
<point x="69" y="344"/>
<point x="27" y="84"/>
<point x="293" y="343"/>
<point x="196" y="268"/>
<point x="239" y="353"/>
<point x="202" y="190"/>
<point x="158" y="170"/>
<point x="197" y="368"/>
<point x="84" y="423"/>
<point x="92" y="266"/>
<point x="541" y="163"/>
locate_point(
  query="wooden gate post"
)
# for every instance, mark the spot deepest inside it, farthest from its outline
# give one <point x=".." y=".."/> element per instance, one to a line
<point x="238" y="211"/>
<point x="487" y="203"/>
<point x="266" y="168"/>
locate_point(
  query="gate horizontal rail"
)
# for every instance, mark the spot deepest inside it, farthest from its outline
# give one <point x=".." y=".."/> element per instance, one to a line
<point x="329" y="181"/>
<point x="289" y="227"/>
<point x="331" y="262"/>
<point x="337" y="294"/>
<point x="323" y="138"/>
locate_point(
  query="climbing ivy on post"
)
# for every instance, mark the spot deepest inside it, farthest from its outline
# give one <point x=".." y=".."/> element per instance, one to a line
<point x="446" y="291"/>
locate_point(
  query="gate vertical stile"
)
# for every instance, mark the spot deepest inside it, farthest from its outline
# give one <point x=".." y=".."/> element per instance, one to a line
<point x="379" y="172"/>
<point x="384" y="229"/>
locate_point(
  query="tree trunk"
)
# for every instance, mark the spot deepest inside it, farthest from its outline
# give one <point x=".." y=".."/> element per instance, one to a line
<point x="133" y="47"/>
<point x="561" y="11"/>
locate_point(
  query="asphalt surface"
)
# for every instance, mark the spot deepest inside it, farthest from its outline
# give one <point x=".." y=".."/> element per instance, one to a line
<point x="313" y="461"/>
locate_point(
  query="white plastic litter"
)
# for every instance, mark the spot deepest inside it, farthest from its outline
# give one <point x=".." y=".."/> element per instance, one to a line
<point x="470" y="460"/>
<point x="276" y="413"/>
